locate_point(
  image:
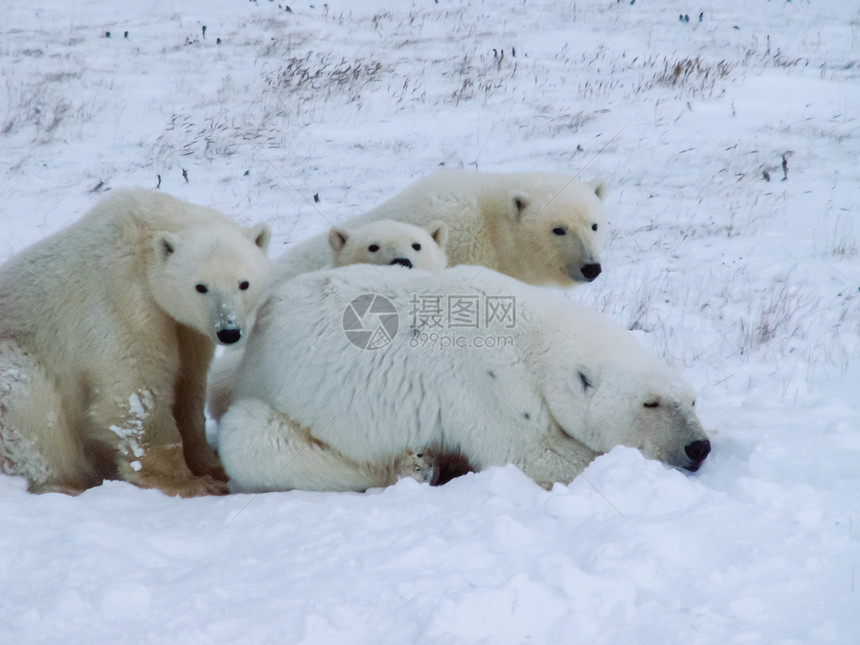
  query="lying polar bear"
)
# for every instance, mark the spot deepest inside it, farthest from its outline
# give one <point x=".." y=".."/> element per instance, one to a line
<point x="346" y="380"/>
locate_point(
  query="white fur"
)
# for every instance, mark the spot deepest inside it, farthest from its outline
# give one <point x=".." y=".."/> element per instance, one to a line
<point x="503" y="221"/>
<point x="394" y="242"/>
<point x="106" y="339"/>
<point x="314" y="411"/>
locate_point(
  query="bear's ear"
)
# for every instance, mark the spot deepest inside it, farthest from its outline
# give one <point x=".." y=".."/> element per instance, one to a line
<point x="260" y="234"/>
<point x="164" y="244"/>
<point x="598" y="185"/>
<point x="337" y="238"/>
<point x="519" y="202"/>
<point x="439" y="232"/>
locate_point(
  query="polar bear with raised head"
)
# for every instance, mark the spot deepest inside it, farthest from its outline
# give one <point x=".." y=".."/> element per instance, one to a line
<point x="348" y="372"/>
<point x="539" y="227"/>
<point x="107" y="329"/>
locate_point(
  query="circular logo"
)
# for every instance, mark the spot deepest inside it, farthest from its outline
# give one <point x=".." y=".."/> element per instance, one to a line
<point x="370" y="321"/>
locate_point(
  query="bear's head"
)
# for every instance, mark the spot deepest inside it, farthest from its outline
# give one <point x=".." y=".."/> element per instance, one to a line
<point x="210" y="280"/>
<point x="389" y="242"/>
<point x="628" y="398"/>
<point x="555" y="230"/>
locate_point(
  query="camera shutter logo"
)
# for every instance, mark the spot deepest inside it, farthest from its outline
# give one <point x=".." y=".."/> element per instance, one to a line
<point x="370" y="321"/>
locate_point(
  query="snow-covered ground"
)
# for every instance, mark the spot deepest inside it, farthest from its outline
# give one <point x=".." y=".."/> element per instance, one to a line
<point x="731" y="145"/>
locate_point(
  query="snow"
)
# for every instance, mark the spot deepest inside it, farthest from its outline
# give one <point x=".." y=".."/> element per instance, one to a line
<point x="750" y="285"/>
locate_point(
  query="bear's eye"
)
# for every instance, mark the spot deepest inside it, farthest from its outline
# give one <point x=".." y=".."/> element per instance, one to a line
<point x="559" y="230"/>
<point x="244" y="285"/>
<point x="201" y="288"/>
<point x="651" y="404"/>
<point x="416" y="246"/>
<point x="594" y="227"/>
<point x="373" y="248"/>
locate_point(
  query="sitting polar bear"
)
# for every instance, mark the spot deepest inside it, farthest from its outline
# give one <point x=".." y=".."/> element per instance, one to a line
<point x="107" y="329"/>
<point x="539" y="227"/>
<point x="389" y="242"/>
<point x="351" y="379"/>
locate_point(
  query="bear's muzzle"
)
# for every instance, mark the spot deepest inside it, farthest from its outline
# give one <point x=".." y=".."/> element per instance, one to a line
<point x="697" y="451"/>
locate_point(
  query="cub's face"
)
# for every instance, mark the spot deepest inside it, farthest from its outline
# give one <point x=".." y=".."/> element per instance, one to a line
<point x="210" y="280"/>
<point x="387" y="242"/>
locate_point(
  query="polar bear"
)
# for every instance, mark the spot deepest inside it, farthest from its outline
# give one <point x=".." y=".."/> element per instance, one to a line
<point x="107" y="329"/>
<point x="389" y="242"/>
<point x="539" y="227"/>
<point x="467" y="362"/>
<point x="382" y="242"/>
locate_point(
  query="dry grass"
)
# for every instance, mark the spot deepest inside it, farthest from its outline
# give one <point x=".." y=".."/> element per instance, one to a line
<point x="693" y="75"/>
<point x="42" y="107"/>
<point x="317" y="73"/>
<point x="782" y="313"/>
<point x="840" y="240"/>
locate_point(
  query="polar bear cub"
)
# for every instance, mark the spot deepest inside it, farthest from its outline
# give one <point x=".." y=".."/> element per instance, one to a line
<point x="107" y="329"/>
<point x="389" y="242"/>
<point x="477" y="364"/>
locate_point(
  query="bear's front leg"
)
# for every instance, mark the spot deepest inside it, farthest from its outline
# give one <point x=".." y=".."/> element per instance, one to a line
<point x="149" y="450"/>
<point x="195" y="356"/>
<point x="555" y="457"/>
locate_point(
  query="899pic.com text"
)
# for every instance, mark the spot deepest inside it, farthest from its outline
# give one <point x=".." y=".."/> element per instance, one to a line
<point x="453" y="340"/>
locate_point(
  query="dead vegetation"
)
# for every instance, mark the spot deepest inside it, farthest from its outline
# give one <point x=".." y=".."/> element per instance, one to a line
<point x="317" y="73"/>
<point x="693" y="75"/>
<point x="42" y="108"/>
<point x="783" y="312"/>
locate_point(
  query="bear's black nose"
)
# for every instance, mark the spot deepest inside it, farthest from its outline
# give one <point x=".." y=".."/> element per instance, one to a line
<point x="228" y="336"/>
<point x="698" y="450"/>
<point x="404" y="262"/>
<point x="591" y="271"/>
